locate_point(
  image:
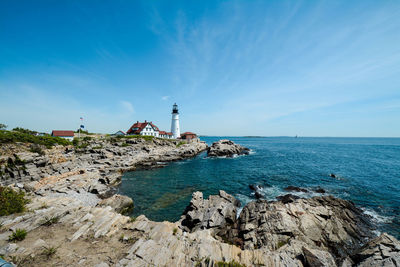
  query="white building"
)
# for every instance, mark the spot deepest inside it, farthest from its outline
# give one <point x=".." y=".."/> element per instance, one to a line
<point x="176" y="132"/>
<point x="69" y="135"/>
<point x="144" y="128"/>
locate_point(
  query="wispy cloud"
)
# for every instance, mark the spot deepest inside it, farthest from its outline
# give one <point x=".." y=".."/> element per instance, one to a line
<point x="127" y="106"/>
<point x="165" y="98"/>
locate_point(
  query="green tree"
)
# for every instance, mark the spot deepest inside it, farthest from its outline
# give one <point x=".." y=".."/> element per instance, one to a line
<point x="3" y="126"/>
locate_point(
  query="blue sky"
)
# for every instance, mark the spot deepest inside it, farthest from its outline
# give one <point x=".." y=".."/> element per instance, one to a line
<point x="271" y="68"/>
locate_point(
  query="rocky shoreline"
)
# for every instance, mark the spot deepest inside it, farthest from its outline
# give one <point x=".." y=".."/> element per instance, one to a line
<point x="74" y="212"/>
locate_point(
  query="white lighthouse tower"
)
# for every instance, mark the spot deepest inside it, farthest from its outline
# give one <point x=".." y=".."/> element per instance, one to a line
<point x="176" y="132"/>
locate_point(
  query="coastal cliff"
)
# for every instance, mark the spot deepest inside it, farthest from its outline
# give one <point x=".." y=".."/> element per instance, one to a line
<point x="75" y="219"/>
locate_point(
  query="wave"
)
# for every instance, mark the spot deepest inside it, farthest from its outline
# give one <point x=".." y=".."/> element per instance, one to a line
<point x="377" y="218"/>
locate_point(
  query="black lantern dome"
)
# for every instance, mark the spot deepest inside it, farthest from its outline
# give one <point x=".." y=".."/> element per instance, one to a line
<point x="175" y="109"/>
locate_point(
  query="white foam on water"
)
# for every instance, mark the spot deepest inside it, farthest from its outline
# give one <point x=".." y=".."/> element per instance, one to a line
<point x="243" y="200"/>
<point x="377" y="217"/>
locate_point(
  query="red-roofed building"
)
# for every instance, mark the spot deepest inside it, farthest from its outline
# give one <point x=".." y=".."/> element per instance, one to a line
<point x="188" y="135"/>
<point x="144" y="128"/>
<point x="64" y="134"/>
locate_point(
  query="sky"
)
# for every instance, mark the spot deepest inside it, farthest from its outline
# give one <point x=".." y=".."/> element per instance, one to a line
<point x="266" y="68"/>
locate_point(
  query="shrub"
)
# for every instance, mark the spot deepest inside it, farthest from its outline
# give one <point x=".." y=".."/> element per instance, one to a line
<point x="230" y="264"/>
<point x="3" y="126"/>
<point x="124" y="145"/>
<point x="180" y="143"/>
<point x="18" y="235"/>
<point x="36" y="149"/>
<point x="23" y="130"/>
<point x="49" y="251"/>
<point x="21" y="136"/>
<point x="11" y="201"/>
<point x="50" y="221"/>
<point x="174" y="231"/>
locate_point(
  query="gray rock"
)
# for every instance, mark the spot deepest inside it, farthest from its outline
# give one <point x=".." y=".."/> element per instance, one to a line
<point x="318" y="258"/>
<point x="383" y="250"/>
<point x="119" y="203"/>
<point x="226" y="148"/>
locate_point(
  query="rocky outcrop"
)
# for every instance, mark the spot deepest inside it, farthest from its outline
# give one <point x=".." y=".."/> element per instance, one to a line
<point x="121" y="204"/>
<point x="383" y="250"/>
<point x="218" y="212"/>
<point x="331" y="224"/>
<point x="226" y="148"/>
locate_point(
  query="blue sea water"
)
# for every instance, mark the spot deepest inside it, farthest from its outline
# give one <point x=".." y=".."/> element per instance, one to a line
<point x="367" y="173"/>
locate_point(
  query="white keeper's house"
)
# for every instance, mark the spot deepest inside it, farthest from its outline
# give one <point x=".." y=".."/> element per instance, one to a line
<point x="147" y="128"/>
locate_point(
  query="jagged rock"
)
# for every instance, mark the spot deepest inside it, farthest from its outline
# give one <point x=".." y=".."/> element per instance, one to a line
<point x="318" y="258"/>
<point x="295" y="189"/>
<point x="216" y="212"/>
<point x="383" y="250"/>
<point x="226" y="148"/>
<point x="288" y="198"/>
<point x="119" y="203"/>
<point x="334" y="225"/>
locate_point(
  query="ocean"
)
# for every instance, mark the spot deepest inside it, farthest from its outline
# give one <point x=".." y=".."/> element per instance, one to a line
<point x="367" y="172"/>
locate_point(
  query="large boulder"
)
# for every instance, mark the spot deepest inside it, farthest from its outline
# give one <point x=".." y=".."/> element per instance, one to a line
<point x="226" y="148"/>
<point x="383" y="250"/>
<point x="331" y="224"/>
<point x="119" y="203"/>
<point x="218" y="212"/>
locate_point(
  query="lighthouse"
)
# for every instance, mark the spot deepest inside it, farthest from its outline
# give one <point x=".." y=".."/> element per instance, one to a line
<point x="176" y="132"/>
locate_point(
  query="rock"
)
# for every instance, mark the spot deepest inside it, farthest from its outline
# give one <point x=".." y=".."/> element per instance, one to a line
<point x="102" y="264"/>
<point x="383" y="250"/>
<point x="320" y="190"/>
<point x="226" y="148"/>
<point x="119" y="203"/>
<point x="318" y="258"/>
<point x="295" y="189"/>
<point x="332" y="175"/>
<point x="216" y="212"/>
<point x="258" y="195"/>
<point x="335" y="225"/>
<point x="288" y="198"/>
<point x="39" y="243"/>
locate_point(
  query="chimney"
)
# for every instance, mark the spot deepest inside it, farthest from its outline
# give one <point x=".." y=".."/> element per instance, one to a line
<point x="145" y="121"/>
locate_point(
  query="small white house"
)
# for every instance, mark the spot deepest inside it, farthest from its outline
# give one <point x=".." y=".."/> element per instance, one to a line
<point x="144" y="128"/>
<point x="69" y="135"/>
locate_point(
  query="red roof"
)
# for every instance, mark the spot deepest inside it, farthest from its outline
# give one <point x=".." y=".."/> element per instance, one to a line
<point x="63" y="133"/>
<point x="140" y="126"/>
<point x="163" y="132"/>
<point x="188" y="133"/>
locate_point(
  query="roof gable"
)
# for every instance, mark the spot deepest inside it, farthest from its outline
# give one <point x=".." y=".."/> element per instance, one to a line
<point x="62" y="133"/>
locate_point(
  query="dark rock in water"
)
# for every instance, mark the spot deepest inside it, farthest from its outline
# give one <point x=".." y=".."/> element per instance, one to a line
<point x="295" y="189"/>
<point x="288" y="198"/>
<point x="320" y="190"/>
<point x="332" y="175"/>
<point x="258" y="195"/>
<point x="255" y="187"/>
<point x="226" y="148"/>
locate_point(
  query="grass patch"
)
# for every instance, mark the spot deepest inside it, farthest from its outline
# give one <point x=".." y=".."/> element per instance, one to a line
<point x="18" y="235"/>
<point x="132" y="219"/>
<point x="11" y="201"/>
<point x="35" y="148"/>
<point x="124" y="145"/>
<point x="49" y="251"/>
<point x="145" y="137"/>
<point x="7" y="137"/>
<point x="180" y="143"/>
<point x="50" y="221"/>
